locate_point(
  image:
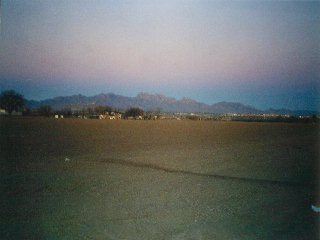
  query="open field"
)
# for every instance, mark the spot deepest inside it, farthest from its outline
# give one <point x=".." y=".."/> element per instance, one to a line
<point x="91" y="179"/>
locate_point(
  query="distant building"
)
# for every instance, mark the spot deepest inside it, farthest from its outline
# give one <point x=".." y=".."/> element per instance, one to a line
<point x="3" y="112"/>
<point x="58" y="116"/>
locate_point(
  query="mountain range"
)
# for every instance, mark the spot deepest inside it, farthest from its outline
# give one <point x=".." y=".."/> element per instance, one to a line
<point x="153" y="102"/>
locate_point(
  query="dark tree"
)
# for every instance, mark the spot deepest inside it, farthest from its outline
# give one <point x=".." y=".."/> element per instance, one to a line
<point x="45" y="111"/>
<point x="89" y="110"/>
<point x="66" y="111"/>
<point x="11" y="101"/>
<point x="102" y="109"/>
<point x="133" y="112"/>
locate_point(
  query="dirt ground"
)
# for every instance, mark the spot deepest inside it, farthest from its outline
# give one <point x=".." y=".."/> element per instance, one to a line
<point x="99" y="179"/>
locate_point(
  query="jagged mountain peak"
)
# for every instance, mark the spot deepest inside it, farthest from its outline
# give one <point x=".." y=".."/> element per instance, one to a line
<point x="157" y="96"/>
<point x="188" y="100"/>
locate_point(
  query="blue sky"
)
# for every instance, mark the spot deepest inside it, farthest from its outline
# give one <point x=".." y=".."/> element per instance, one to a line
<point x="261" y="53"/>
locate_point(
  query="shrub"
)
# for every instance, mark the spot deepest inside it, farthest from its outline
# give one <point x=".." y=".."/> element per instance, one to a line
<point x="133" y="112"/>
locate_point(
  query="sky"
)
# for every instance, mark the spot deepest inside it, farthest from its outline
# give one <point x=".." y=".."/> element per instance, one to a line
<point x="262" y="53"/>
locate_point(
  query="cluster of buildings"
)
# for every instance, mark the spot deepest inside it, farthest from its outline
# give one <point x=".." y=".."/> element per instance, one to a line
<point x="4" y="112"/>
<point x="106" y="115"/>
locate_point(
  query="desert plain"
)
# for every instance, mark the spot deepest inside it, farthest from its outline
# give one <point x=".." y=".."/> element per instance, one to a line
<point x="164" y="179"/>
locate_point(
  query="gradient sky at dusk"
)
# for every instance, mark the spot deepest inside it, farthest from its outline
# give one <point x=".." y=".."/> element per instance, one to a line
<point x="266" y="54"/>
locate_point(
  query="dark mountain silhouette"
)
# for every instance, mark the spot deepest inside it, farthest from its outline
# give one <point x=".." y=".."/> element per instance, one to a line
<point x="153" y="102"/>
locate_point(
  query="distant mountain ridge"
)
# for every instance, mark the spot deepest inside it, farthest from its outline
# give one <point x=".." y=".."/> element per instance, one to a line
<point x="153" y="102"/>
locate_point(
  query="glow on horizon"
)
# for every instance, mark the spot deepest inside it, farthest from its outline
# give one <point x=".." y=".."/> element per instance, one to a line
<point x="174" y="45"/>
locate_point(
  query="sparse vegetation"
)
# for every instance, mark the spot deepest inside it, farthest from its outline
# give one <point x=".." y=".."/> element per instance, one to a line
<point x="44" y="111"/>
<point x="66" y="112"/>
<point x="102" y="109"/>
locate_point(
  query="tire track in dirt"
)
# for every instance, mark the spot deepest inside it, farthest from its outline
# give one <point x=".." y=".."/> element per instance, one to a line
<point x="150" y="166"/>
<point x="216" y="176"/>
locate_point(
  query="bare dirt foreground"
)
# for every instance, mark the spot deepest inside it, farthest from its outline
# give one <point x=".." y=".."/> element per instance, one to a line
<point x="91" y="179"/>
